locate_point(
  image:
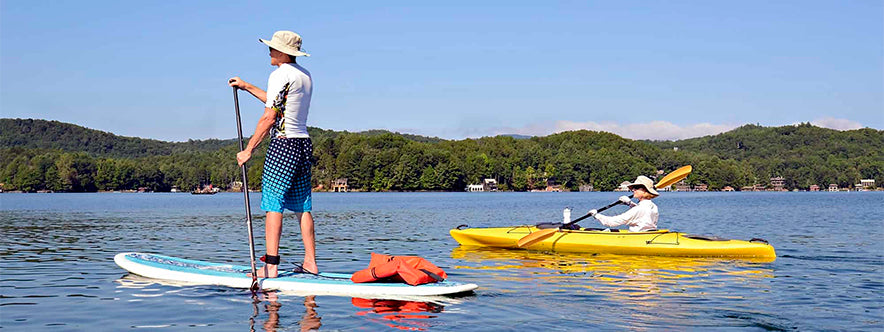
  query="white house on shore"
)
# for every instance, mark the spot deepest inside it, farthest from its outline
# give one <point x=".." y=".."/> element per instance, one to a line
<point x="487" y="185"/>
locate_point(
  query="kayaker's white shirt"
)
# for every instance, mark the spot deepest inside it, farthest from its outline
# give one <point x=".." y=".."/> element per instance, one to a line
<point x="289" y="90"/>
<point x="641" y="217"/>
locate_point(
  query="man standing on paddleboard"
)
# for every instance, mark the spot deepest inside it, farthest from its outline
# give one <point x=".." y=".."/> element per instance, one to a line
<point x="285" y="183"/>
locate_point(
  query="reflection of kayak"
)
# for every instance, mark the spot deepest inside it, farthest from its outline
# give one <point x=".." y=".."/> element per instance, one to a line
<point x="620" y="242"/>
<point x="206" y="273"/>
<point x="487" y="258"/>
<point x="631" y="280"/>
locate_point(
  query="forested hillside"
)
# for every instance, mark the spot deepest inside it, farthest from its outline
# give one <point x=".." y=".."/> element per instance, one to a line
<point x="802" y="154"/>
<point x="54" y="135"/>
<point x="50" y="155"/>
<point x="801" y="141"/>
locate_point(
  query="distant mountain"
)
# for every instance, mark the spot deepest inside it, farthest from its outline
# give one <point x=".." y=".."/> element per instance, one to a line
<point x="517" y="136"/>
<point x="410" y="137"/>
<point x="794" y="141"/>
<point x="55" y="135"/>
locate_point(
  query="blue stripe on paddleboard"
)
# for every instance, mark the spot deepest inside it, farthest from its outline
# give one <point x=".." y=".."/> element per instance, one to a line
<point x="239" y="271"/>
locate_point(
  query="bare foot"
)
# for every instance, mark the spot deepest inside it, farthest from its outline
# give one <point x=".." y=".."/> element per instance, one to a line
<point x="268" y="271"/>
<point x="310" y="267"/>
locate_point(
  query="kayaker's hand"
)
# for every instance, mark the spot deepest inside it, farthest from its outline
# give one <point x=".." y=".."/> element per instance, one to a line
<point x="593" y="212"/>
<point x="626" y="200"/>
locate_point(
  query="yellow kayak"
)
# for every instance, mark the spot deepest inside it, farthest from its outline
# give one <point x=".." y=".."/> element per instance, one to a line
<point x="614" y="241"/>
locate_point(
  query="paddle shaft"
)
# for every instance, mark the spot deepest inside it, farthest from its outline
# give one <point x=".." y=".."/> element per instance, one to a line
<point x="245" y="191"/>
<point x="597" y="211"/>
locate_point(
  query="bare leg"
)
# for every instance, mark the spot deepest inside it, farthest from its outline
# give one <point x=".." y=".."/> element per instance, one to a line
<point x="272" y="233"/>
<point x="309" y="238"/>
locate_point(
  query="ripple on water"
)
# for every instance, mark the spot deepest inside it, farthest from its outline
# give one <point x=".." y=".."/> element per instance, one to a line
<point x="57" y="256"/>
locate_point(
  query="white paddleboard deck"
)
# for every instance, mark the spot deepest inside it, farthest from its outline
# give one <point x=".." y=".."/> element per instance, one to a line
<point x="207" y="273"/>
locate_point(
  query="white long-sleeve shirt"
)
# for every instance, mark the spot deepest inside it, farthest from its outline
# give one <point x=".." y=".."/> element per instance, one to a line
<point x="641" y="217"/>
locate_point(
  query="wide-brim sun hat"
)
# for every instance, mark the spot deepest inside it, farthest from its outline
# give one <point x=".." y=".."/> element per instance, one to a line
<point x="646" y="182"/>
<point x="286" y="42"/>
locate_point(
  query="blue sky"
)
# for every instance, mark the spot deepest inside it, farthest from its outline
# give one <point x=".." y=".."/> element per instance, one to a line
<point x="453" y="69"/>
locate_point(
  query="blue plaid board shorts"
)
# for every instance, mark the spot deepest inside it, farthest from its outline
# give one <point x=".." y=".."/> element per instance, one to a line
<point x="285" y="183"/>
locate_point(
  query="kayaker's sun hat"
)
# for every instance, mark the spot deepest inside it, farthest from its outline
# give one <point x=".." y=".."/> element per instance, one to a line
<point x="646" y="182"/>
<point x="286" y="42"/>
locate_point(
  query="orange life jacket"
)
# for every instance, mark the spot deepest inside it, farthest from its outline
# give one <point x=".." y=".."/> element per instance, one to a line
<point x="412" y="270"/>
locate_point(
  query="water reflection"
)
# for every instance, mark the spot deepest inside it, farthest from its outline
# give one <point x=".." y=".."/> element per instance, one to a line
<point x="625" y="279"/>
<point x="309" y="321"/>
<point x="267" y="307"/>
<point x="403" y="315"/>
<point x="270" y="308"/>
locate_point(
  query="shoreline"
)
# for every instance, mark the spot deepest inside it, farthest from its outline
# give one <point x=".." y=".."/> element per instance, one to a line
<point x="474" y="192"/>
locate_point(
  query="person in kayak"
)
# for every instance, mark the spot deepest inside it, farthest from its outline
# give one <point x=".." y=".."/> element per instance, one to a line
<point x="285" y="183"/>
<point x="640" y="217"/>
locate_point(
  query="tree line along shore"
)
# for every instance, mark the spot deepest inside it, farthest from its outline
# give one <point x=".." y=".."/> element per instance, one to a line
<point x="40" y="155"/>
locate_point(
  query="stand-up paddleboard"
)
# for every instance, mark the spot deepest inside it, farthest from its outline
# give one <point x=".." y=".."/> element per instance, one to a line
<point x="207" y="273"/>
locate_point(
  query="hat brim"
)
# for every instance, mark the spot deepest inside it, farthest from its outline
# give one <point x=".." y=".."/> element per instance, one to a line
<point x="651" y="190"/>
<point x="283" y="48"/>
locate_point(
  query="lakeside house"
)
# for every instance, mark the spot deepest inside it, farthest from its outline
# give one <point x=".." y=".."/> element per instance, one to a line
<point x="624" y="186"/>
<point x="486" y="185"/>
<point x="814" y="187"/>
<point x="552" y="188"/>
<point x="682" y="186"/>
<point x="833" y="187"/>
<point x="778" y="183"/>
<point x="489" y="184"/>
<point x="586" y="187"/>
<point x="340" y="185"/>
<point x="728" y="188"/>
<point x="701" y="187"/>
<point x="205" y="190"/>
<point x="867" y="184"/>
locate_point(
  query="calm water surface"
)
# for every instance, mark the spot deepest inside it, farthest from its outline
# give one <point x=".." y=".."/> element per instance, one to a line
<point x="58" y="271"/>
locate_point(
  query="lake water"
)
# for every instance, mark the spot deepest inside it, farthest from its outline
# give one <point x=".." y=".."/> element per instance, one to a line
<point x="58" y="271"/>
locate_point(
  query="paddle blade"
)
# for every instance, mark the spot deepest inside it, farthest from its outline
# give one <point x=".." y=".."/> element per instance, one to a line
<point x="675" y="176"/>
<point x="535" y="237"/>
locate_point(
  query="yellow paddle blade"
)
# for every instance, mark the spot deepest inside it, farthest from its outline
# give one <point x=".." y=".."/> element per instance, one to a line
<point x="675" y="176"/>
<point x="535" y="237"/>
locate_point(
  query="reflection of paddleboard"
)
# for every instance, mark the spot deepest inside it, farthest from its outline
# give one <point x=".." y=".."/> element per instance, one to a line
<point x="207" y="273"/>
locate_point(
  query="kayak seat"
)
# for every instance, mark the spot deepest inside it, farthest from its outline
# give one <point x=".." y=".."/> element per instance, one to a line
<point x="705" y="237"/>
<point x="612" y="230"/>
<point x="548" y="225"/>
